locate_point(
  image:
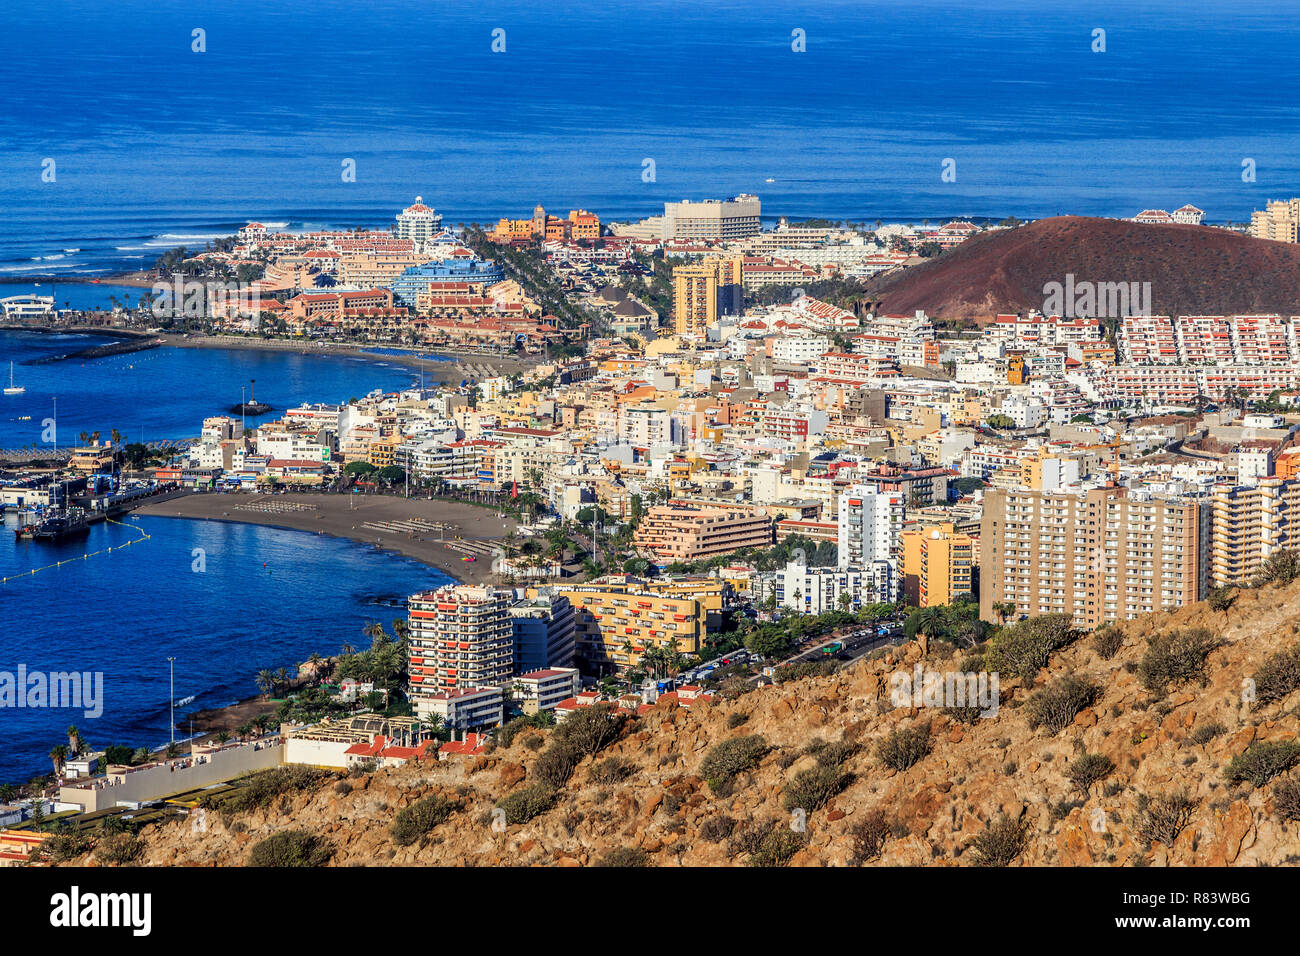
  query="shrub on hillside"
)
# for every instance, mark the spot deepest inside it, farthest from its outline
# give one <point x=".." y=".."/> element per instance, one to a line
<point x="1161" y="818"/>
<point x="522" y="805"/>
<point x="1024" y="648"/>
<point x="732" y="757"/>
<point x="291" y="848"/>
<point x="1175" y="657"/>
<point x="869" y="837"/>
<point x="1107" y="641"/>
<point x="904" y="747"/>
<point x="556" y="764"/>
<point x="716" y="829"/>
<point x="811" y="788"/>
<point x="419" y="818"/>
<point x="119" y="849"/>
<point x="1203" y="734"/>
<point x="1000" y="843"/>
<point x="507" y="732"/>
<point x="1278" y="676"/>
<point x="1089" y="769"/>
<point x="592" y="729"/>
<point x="778" y="847"/>
<point x="1281" y="567"/>
<point x="611" y="771"/>
<point x="1286" y="799"/>
<point x="261" y="788"/>
<point x="1057" y="704"/>
<point x="625" y="856"/>
<point x="806" y="669"/>
<point x="63" y="847"/>
<point x="1263" y="761"/>
<point x="1221" y="599"/>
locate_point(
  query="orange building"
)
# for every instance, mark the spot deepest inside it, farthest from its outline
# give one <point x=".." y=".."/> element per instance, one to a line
<point x="581" y="224"/>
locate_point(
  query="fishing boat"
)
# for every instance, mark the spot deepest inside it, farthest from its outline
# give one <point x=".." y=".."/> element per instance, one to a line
<point x="60" y="524"/>
<point x="11" y="388"/>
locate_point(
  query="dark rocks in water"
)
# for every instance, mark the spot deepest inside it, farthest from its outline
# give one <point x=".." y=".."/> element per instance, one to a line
<point x="97" y="351"/>
<point x="251" y="408"/>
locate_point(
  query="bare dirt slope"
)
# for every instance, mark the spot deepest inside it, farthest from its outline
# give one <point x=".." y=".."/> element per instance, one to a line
<point x="1193" y="270"/>
<point x="975" y="774"/>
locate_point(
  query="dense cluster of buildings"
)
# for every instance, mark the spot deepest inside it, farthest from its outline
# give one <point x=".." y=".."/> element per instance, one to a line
<point x="1039" y="463"/>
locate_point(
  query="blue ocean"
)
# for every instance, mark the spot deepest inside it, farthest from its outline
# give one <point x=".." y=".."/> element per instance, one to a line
<point x="124" y="613"/>
<point x="265" y="598"/>
<point x="155" y="145"/>
<point x="165" y="393"/>
<point x="133" y="127"/>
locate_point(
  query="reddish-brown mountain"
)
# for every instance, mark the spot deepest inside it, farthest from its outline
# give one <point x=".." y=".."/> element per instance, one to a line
<point x="1193" y="270"/>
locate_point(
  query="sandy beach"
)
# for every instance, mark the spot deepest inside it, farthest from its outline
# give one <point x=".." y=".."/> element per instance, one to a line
<point x="342" y="516"/>
<point x="496" y="364"/>
<point x="347" y="516"/>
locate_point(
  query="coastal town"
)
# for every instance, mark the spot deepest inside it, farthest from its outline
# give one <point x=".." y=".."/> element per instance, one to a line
<point x="669" y="462"/>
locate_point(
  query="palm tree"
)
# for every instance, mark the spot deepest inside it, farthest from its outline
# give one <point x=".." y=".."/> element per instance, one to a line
<point x="282" y="679"/>
<point x="930" y="622"/>
<point x="265" y="682"/>
<point x="378" y="637"/>
<point x="223" y="737"/>
<point x="59" y="756"/>
<point x="74" y="737"/>
<point x="7" y="792"/>
<point x="1004" y="609"/>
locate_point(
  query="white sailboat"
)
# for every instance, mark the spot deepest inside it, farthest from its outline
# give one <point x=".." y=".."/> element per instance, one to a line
<point x="11" y="388"/>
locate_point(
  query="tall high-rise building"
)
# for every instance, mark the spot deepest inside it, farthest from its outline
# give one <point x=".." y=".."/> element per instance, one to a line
<point x="1101" y="555"/>
<point x="461" y="637"/>
<point x="870" y="523"/>
<point x="544" y="632"/>
<point x="418" y="223"/>
<point x="714" y="220"/>
<point x="705" y="290"/>
<point x="1249" y="524"/>
<point x="938" y="564"/>
<point x="1278" y="220"/>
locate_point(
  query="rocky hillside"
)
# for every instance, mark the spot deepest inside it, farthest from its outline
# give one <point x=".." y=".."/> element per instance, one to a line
<point x="1193" y="270"/>
<point x="1084" y="764"/>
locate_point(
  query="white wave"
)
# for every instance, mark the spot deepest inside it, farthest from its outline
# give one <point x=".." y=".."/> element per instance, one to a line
<point x="129" y="248"/>
<point x="176" y="237"/>
<point x="71" y="250"/>
<point x="28" y="268"/>
<point x="275" y="225"/>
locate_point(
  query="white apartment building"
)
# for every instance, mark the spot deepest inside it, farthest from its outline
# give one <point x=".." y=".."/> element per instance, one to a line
<point x="800" y="350"/>
<point x="418" y="223"/>
<point x="542" y="690"/>
<point x="463" y="711"/>
<point x="648" y="425"/>
<point x="291" y="445"/>
<point x="869" y="525"/>
<point x="717" y="220"/>
<point x="818" y="590"/>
